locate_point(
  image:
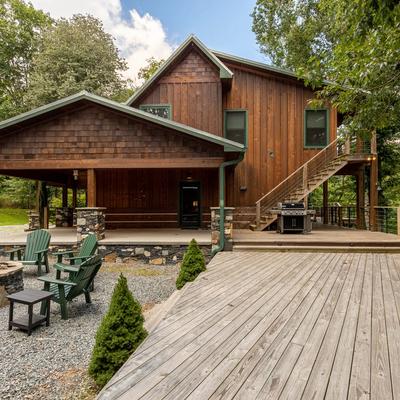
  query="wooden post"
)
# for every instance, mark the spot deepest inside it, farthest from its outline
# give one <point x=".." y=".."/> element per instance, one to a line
<point x="398" y="221"/>
<point x="374" y="148"/>
<point x="373" y="193"/>
<point x="91" y="188"/>
<point x="360" y="201"/>
<point x="37" y="205"/>
<point x="305" y="177"/>
<point x="74" y="196"/>
<point x="65" y="196"/>
<point x="347" y="146"/>
<point x="325" y="200"/>
<point x="258" y="213"/>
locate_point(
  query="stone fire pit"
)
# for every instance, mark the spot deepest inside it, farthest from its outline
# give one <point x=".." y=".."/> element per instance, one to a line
<point x="11" y="280"/>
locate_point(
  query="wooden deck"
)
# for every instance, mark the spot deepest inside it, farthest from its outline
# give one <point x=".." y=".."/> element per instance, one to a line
<point x="275" y="326"/>
<point x="328" y="236"/>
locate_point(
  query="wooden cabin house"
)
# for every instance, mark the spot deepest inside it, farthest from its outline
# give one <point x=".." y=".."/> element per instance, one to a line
<point x="208" y="129"/>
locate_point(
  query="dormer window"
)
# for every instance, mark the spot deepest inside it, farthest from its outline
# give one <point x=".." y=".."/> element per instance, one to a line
<point x="236" y="126"/>
<point x="161" y="110"/>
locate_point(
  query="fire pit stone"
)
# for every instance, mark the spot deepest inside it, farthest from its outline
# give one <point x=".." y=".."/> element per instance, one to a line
<point x="11" y="280"/>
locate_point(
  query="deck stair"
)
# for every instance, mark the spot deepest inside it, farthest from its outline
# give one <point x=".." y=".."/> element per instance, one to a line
<point x="303" y="181"/>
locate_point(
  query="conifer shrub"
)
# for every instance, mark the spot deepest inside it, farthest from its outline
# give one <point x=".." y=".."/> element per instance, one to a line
<point x="119" y="334"/>
<point x="193" y="263"/>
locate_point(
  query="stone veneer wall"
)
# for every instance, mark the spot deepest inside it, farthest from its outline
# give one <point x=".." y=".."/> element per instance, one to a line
<point x="228" y="226"/>
<point x="64" y="217"/>
<point x="150" y="254"/>
<point x="90" y="220"/>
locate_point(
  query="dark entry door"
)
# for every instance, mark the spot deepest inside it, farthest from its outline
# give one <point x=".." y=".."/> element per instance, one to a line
<point x="190" y="215"/>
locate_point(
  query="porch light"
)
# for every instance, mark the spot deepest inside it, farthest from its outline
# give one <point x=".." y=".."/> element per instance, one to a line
<point x="75" y="172"/>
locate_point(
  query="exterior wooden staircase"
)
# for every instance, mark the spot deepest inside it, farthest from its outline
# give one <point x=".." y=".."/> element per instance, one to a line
<point x="304" y="180"/>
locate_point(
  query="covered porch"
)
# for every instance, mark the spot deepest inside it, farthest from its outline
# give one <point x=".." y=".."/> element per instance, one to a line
<point x="137" y="170"/>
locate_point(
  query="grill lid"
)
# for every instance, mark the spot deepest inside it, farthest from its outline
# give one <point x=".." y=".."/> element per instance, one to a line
<point x="290" y="206"/>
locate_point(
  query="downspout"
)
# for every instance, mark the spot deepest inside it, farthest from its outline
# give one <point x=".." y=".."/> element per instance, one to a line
<point x="222" y="167"/>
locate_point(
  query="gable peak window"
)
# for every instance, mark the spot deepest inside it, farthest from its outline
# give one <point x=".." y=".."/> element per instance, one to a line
<point x="236" y="126"/>
<point x="316" y="132"/>
<point x="161" y="110"/>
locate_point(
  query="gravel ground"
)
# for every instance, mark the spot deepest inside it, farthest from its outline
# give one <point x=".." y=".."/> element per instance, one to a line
<point x="52" y="363"/>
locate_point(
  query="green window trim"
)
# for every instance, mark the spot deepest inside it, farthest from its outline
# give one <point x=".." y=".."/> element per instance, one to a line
<point x="327" y="130"/>
<point x="168" y="107"/>
<point x="246" y="128"/>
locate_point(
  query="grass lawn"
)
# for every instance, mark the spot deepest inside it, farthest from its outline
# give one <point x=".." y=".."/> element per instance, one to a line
<point x="13" y="216"/>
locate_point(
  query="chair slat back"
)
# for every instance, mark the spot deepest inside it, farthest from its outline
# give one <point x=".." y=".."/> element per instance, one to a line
<point x="36" y="240"/>
<point x="85" y="275"/>
<point x="89" y="246"/>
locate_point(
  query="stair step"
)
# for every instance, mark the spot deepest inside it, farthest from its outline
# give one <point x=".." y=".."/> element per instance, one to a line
<point x="253" y="227"/>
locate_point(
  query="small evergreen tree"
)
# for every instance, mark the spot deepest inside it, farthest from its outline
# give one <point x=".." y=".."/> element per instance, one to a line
<point x="193" y="263"/>
<point x="120" y="333"/>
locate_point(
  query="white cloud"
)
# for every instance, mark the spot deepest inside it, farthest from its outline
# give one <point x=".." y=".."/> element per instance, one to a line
<point x="138" y="38"/>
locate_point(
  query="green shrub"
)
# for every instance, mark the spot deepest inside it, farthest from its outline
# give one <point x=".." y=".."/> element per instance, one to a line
<point x="193" y="263"/>
<point x="120" y="333"/>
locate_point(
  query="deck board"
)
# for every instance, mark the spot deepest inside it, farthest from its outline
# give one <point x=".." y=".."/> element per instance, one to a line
<point x="275" y="326"/>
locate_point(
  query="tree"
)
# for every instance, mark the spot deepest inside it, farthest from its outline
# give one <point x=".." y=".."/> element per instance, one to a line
<point x="350" y="50"/>
<point x="21" y="27"/>
<point x="150" y="69"/>
<point x="120" y="333"/>
<point x="75" y="55"/>
<point x="193" y="263"/>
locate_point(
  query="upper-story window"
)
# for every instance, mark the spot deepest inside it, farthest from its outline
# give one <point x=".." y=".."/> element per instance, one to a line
<point x="316" y="132"/>
<point x="236" y="126"/>
<point x="161" y="110"/>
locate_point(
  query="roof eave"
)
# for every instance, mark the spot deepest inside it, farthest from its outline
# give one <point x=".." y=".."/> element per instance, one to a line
<point x="226" y="143"/>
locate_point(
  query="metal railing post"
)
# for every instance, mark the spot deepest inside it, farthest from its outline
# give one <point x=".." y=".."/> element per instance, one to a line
<point x="258" y="213"/>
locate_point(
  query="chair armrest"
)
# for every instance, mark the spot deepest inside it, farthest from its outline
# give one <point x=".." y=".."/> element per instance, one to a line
<point x="56" y="281"/>
<point x="62" y="253"/>
<point x="14" y="250"/>
<point x="66" y="268"/>
<point x="28" y="262"/>
<point x="79" y="258"/>
<point x="42" y="251"/>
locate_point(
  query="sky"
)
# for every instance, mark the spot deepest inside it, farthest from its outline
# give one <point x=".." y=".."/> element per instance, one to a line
<point x="154" y="28"/>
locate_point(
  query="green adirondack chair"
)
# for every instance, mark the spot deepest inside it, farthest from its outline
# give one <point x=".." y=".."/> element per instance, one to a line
<point x="76" y="285"/>
<point x="87" y="250"/>
<point x="35" y="251"/>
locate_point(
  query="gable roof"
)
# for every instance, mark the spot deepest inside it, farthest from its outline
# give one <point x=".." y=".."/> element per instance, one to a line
<point x="228" y="145"/>
<point x="224" y="71"/>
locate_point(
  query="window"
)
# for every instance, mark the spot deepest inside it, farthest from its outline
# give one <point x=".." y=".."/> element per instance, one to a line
<point x="236" y="126"/>
<point x="316" y="128"/>
<point x="161" y="110"/>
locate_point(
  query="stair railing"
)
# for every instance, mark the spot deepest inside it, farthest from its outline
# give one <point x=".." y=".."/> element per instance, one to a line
<point x="299" y="178"/>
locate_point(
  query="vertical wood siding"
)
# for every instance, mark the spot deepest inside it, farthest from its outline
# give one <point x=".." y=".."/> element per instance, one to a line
<point x="194" y="90"/>
<point x="275" y="108"/>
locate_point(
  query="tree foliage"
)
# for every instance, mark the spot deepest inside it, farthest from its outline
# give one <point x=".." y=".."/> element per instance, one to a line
<point x="354" y="45"/>
<point x="193" y="263"/>
<point x="120" y="333"/>
<point x="21" y="27"/>
<point x="76" y="54"/>
<point x="150" y="69"/>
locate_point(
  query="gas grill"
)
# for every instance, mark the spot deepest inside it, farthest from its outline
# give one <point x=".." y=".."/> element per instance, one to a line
<point x="294" y="217"/>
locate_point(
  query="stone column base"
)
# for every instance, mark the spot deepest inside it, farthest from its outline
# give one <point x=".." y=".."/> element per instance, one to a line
<point x="228" y="227"/>
<point x="33" y="220"/>
<point x="90" y="220"/>
<point x="64" y="217"/>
